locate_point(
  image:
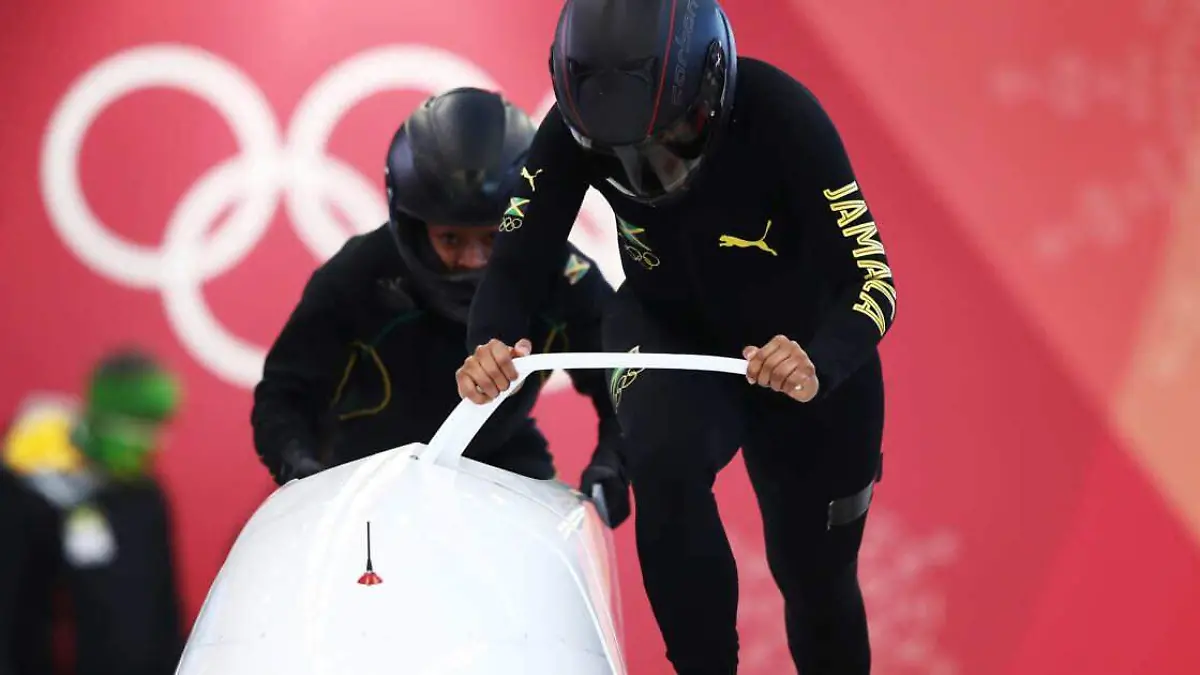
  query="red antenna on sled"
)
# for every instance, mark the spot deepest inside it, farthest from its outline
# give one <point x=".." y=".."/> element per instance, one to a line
<point x="369" y="578"/>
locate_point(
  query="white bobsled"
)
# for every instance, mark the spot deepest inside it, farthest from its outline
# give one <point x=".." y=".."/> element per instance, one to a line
<point x="420" y="561"/>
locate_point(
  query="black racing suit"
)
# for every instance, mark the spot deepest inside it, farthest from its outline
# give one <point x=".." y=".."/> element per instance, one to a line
<point x="125" y="608"/>
<point x="775" y="237"/>
<point x="361" y="367"/>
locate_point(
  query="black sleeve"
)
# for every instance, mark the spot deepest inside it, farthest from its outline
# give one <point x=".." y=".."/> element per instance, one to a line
<point x="12" y="562"/>
<point x="528" y="252"/>
<point x="587" y="298"/>
<point x="301" y="372"/>
<point x="824" y="193"/>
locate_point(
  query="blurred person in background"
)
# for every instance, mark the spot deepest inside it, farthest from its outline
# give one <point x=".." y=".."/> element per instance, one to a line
<point x="81" y="511"/>
<point x="365" y="362"/>
<point x="746" y="233"/>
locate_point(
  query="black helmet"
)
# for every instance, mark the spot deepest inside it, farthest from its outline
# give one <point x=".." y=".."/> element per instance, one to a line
<point x="454" y="161"/>
<point x="647" y="85"/>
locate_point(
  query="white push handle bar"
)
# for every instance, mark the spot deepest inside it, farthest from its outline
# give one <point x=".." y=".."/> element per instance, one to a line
<point x="460" y="427"/>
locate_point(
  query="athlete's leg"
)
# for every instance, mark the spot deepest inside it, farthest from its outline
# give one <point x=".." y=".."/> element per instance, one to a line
<point x="801" y="457"/>
<point x="680" y="430"/>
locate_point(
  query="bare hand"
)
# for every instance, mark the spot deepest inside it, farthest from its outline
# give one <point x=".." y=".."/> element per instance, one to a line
<point x="489" y="370"/>
<point x="784" y="367"/>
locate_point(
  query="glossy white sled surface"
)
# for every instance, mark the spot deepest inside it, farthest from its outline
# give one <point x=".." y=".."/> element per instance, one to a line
<point x="479" y="570"/>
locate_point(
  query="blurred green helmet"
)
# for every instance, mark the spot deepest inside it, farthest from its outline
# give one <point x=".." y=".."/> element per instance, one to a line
<point x="129" y="398"/>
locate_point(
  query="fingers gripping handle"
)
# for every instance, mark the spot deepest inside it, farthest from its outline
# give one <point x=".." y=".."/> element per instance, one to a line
<point x="468" y="418"/>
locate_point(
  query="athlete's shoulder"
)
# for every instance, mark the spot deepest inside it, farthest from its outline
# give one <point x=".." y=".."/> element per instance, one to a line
<point x="762" y="80"/>
<point x="357" y="263"/>
<point x="554" y="138"/>
<point x="38" y="439"/>
<point x="554" y="120"/>
<point x="784" y="114"/>
<point x="580" y="289"/>
<point x="577" y="265"/>
<point x="361" y="248"/>
<point x="767" y="94"/>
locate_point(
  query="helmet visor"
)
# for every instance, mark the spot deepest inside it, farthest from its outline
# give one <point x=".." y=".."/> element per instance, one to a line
<point x="661" y="164"/>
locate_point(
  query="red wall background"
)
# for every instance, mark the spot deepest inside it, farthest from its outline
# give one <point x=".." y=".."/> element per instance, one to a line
<point x="1032" y="167"/>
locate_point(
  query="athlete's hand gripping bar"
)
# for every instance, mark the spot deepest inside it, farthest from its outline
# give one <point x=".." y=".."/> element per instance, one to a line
<point x="460" y="427"/>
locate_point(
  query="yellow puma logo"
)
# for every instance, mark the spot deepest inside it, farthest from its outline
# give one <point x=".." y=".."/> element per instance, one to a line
<point x="529" y="177"/>
<point x="728" y="240"/>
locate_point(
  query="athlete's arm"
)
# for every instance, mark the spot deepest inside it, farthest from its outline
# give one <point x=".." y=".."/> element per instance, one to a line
<point x="588" y="297"/>
<point x="527" y="254"/>
<point x="587" y="300"/>
<point x="301" y="374"/>
<point x="824" y="192"/>
<point x="12" y="567"/>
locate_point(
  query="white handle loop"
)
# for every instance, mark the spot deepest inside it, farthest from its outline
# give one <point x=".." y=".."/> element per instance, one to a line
<point x="460" y="427"/>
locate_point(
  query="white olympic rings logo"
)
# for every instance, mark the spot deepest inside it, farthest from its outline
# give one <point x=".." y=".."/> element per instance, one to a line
<point x="272" y="165"/>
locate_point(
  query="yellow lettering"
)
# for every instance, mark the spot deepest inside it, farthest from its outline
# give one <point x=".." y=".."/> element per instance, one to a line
<point x="843" y="191"/>
<point x="850" y="211"/>
<point x="865" y="235"/>
<point x="886" y="289"/>
<point x="875" y="272"/>
<point x="875" y="269"/>
<point x="871" y="309"/>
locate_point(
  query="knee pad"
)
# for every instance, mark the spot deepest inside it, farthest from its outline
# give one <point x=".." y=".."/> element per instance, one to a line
<point x="846" y="510"/>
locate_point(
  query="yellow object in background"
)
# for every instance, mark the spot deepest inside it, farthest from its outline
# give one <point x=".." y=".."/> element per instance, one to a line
<point x="39" y="439"/>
